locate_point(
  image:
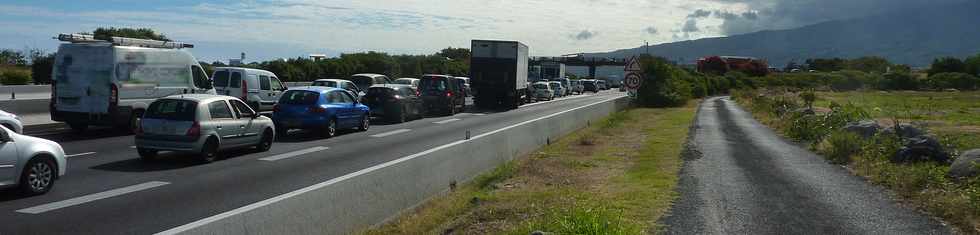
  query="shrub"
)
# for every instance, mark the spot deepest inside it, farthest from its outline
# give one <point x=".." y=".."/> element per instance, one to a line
<point x="664" y="85"/>
<point x="898" y="81"/>
<point x="841" y="145"/>
<point x="15" y="76"/>
<point x="959" y="81"/>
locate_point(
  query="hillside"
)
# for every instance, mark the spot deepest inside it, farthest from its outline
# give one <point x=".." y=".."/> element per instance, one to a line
<point x="911" y="37"/>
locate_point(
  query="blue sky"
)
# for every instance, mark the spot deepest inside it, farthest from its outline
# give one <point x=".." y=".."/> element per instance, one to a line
<point x="290" y="28"/>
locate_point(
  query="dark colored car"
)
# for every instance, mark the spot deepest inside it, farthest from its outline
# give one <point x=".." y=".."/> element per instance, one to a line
<point x="590" y="85"/>
<point x="322" y="108"/>
<point x="395" y="103"/>
<point x="443" y="93"/>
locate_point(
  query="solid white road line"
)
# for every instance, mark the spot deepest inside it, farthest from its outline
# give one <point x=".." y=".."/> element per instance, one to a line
<point x="79" y="154"/>
<point x="253" y="206"/>
<point x="447" y="121"/>
<point x="391" y="133"/>
<point x="91" y="197"/>
<point x="479" y="114"/>
<point x="293" y="153"/>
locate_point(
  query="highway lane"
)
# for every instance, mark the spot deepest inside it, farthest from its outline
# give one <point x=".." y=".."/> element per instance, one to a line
<point x="111" y="191"/>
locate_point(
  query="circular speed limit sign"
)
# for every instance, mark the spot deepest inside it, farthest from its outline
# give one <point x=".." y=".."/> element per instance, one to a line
<point x="633" y="80"/>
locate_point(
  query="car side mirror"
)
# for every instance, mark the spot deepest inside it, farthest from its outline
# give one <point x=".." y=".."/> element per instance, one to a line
<point x="4" y="136"/>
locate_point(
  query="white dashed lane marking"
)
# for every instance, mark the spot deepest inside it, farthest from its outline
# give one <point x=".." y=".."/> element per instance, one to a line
<point x="293" y="154"/>
<point x="447" y="121"/>
<point x="91" y="197"/>
<point x="394" y="132"/>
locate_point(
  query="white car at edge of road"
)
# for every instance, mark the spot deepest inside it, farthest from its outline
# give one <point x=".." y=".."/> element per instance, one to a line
<point x="30" y="163"/>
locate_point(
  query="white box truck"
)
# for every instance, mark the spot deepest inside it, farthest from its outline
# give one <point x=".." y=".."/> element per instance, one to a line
<point x="498" y="73"/>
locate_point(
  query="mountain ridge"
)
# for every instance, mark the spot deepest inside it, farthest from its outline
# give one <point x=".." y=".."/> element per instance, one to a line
<point x="913" y="36"/>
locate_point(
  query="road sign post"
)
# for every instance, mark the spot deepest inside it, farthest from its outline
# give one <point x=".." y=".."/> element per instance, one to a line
<point x="634" y="76"/>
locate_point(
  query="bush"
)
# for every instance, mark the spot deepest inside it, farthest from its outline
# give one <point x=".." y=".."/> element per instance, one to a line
<point x="959" y="81"/>
<point x="15" y="76"/>
<point x="664" y="85"/>
<point x="841" y="145"/>
<point x="898" y="81"/>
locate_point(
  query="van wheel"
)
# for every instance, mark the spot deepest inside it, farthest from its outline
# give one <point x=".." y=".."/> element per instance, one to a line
<point x="147" y="154"/>
<point x="265" y="143"/>
<point x="78" y="126"/>
<point x="38" y="176"/>
<point x="209" y="153"/>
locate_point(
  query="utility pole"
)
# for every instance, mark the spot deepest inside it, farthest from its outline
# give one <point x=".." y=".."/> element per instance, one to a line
<point x="647" y="47"/>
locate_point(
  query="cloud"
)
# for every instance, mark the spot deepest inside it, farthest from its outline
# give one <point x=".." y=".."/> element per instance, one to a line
<point x="726" y="15"/>
<point x="584" y="35"/>
<point x="651" y="30"/>
<point x="784" y="14"/>
<point x="691" y="26"/>
<point x="700" y="13"/>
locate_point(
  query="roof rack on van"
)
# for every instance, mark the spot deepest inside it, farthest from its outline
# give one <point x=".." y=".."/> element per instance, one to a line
<point x="121" y="41"/>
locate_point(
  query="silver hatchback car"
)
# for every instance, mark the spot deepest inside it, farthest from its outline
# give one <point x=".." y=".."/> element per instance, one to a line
<point x="203" y="125"/>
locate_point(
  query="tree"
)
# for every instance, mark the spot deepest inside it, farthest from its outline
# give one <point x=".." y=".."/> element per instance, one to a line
<point x="947" y="65"/>
<point x="973" y="65"/>
<point x="455" y="53"/>
<point x="41" y="66"/>
<point x="141" y="33"/>
<point x="12" y="58"/>
<point x="869" y="64"/>
<point x="826" y="65"/>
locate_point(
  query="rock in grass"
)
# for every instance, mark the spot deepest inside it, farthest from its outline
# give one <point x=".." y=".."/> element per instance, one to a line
<point x="966" y="165"/>
<point x="919" y="149"/>
<point x="863" y="128"/>
<point x="541" y="233"/>
<point x="905" y="131"/>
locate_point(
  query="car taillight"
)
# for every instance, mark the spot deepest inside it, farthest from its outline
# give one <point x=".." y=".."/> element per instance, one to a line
<point x="113" y="94"/>
<point x="195" y="129"/>
<point x="318" y="109"/>
<point x="449" y="94"/>
<point x="245" y="91"/>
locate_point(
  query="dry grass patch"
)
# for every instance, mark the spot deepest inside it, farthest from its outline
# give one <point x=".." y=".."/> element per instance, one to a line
<point x="615" y="177"/>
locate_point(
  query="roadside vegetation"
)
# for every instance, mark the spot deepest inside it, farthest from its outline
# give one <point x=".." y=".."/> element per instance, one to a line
<point x="614" y="177"/>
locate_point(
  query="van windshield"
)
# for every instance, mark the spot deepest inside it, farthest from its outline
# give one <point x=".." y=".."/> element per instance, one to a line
<point x="170" y="109"/>
<point x="221" y="79"/>
<point x="299" y="97"/>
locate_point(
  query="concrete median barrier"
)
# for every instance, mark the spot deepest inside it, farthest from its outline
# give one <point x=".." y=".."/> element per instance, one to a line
<point x="371" y="196"/>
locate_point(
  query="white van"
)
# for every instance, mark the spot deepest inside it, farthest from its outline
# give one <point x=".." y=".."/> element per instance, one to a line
<point x="111" y="82"/>
<point x="259" y="88"/>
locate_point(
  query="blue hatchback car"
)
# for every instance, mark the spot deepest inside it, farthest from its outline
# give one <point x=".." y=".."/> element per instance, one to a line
<point x="322" y="108"/>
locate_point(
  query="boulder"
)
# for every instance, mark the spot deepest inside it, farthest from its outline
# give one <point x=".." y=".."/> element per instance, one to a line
<point x="921" y="148"/>
<point x="805" y="111"/>
<point x="863" y="128"/>
<point x="905" y="131"/>
<point x="966" y="165"/>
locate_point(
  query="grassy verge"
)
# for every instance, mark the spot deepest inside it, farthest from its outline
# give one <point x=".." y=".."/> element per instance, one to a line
<point x="951" y="116"/>
<point x="616" y="177"/>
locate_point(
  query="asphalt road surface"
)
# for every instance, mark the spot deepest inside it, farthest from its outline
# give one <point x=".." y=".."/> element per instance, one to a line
<point x="108" y="190"/>
<point x="744" y="179"/>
